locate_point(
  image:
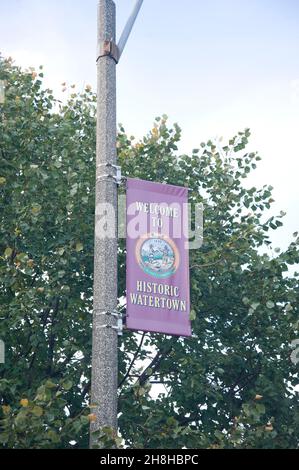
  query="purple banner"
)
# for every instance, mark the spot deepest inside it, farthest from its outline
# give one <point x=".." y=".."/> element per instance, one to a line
<point x="158" y="291"/>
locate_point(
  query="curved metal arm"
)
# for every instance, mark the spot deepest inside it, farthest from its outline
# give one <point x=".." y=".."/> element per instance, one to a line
<point x="129" y="26"/>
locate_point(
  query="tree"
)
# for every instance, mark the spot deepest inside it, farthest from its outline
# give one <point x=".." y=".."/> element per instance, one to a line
<point x="233" y="385"/>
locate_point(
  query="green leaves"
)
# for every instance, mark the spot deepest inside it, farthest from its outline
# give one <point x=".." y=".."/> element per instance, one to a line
<point x="53" y="437"/>
<point x="177" y="393"/>
<point x="37" y="411"/>
<point x="79" y="247"/>
<point x="254" y="410"/>
<point x="193" y="315"/>
<point x="67" y="385"/>
<point x="22" y="257"/>
<point x="36" y="209"/>
<point x="106" y="438"/>
<point x="8" y="252"/>
<point x="236" y="294"/>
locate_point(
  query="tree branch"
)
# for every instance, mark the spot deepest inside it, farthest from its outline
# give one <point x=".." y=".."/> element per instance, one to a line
<point x="133" y="361"/>
<point x="160" y="356"/>
<point x="52" y="337"/>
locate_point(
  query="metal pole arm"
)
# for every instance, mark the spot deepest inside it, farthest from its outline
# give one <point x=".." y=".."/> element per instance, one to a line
<point x="128" y="28"/>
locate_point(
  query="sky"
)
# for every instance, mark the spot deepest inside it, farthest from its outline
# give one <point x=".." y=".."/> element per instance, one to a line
<point x="214" y="67"/>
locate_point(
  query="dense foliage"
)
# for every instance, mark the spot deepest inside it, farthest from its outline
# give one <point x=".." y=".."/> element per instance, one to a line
<point x="233" y="385"/>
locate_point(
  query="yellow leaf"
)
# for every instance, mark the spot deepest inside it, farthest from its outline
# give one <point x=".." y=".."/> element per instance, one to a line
<point x="36" y="209"/>
<point x="6" y="409"/>
<point x="269" y="428"/>
<point x="92" y="418"/>
<point x="258" y="397"/>
<point x="138" y="146"/>
<point x="24" y="402"/>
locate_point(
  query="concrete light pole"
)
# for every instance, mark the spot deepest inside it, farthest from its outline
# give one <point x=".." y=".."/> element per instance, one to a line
<point x="105" y="335"/>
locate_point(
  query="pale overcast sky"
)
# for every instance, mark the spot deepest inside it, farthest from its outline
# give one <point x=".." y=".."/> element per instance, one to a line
<point x="214" y="67"/>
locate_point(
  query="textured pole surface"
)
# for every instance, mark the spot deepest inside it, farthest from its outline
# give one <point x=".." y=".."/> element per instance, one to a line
<point x="105" y="340"/>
